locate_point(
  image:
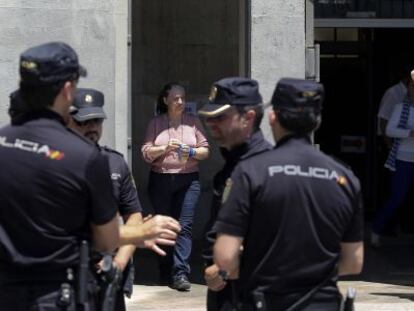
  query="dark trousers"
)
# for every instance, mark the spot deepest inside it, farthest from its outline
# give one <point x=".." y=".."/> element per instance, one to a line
<point x="176" y="195"/>
<point x="311" y="305"/>
<point x="221" y="300"/>
<point x="401" y="182"/>
<point x="35" y="298"/>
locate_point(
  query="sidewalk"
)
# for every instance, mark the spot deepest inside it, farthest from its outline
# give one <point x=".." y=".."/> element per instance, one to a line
<point x="386" y="284"/>
<point x="371" y="297"/>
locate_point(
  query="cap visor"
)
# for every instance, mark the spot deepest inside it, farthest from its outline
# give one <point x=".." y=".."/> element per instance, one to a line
<point x="84" y="114"/>
<point x="212" y="110"/>
<point x="82" y="71"/>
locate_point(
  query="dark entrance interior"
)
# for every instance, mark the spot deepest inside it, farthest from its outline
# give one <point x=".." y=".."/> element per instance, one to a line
<point x="357" y="66"/>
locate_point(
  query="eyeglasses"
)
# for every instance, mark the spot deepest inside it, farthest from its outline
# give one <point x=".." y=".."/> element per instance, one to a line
<point x="89" y="122"/>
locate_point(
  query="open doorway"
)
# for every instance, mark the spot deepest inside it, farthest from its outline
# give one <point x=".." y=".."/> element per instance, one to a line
<point x="195" y="43"/>
<point x="357" y="66"/>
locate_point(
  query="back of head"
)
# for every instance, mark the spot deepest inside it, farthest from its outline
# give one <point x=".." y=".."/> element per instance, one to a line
<point x="43" y="71"/>
<point x="298" y="104"/>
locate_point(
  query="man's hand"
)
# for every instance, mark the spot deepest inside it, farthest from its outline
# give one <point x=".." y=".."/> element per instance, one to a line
<point x="153" y="244"/>
<point x="161" y="228"/>
<point x="213" y="279"/>
<point x="154" y="231"/>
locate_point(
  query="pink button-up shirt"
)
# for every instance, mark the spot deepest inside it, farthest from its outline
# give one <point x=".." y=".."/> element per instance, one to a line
<point x="159" y="132"/>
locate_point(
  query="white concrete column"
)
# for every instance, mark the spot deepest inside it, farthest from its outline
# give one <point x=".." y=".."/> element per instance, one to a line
<point x="277" y="44"/>
<point x="122" y="117"/>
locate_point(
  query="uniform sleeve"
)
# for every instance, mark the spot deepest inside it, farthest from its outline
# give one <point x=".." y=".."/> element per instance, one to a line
<point x="392" y="126"/>
<point x="234" y="215"/>
<point x="128" y="196"/>
<point x="103" y="204"/>
<point x="354" y="232"/>
<point x="149" y="139"/>
<point x="200" y="134"/>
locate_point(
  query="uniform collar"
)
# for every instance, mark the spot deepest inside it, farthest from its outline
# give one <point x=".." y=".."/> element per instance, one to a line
<point x="245" y="149"/>
<point x="305" y="138"/>
<point x="41" y="114"/>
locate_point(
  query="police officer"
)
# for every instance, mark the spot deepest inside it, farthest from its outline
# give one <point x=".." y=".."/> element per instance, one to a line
<point x="55" y="189"/>
<point x="295" y="212"/>
<point x="87" y="119"/>
<point x="152" y="232"/>
<point x="232" y="116"/>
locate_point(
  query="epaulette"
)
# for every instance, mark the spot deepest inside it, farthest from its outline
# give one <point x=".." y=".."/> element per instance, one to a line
<point x="107" y="149"/>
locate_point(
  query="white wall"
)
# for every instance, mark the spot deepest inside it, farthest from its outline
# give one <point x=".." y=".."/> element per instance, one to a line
<point x="95" y="28"/>
<point x="277" y="44"/>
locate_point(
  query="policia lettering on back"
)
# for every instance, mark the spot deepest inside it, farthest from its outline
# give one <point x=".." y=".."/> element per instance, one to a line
<point x="60" y="188"/>
<point x="281" y="267"/>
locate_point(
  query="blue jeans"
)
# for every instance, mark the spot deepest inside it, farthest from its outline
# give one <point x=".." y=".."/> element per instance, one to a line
<point x="401" y="182"/>
<point x="176" y="195"/>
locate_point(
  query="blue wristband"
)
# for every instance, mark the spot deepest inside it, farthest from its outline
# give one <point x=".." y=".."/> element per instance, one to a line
<point x="192" y="152"/>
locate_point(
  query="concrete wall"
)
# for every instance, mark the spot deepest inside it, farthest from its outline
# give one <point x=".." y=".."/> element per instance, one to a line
<point x="97" y="29"/>
<point x="277" y="44"/>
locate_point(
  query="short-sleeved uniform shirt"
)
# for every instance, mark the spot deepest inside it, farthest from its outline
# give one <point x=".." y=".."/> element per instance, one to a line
<point x="256" y="144"/>
<point x="54" y="184"/>
<point x="293" y="206"/>
<point x="123" y="183"/>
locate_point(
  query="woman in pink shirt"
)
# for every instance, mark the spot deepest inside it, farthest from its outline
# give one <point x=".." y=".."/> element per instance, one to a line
<point x="174" y="144"/>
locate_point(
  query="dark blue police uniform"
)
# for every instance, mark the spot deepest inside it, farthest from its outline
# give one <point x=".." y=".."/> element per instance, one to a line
<point x="254" y="146"/>
<point x="237" y="92"/>
<point x="126" y="195"/>
<point x="88" y="107"/>
<point x="54" y="186"/>
<point x="293" y="207"/>
<point x="123" y="183"/>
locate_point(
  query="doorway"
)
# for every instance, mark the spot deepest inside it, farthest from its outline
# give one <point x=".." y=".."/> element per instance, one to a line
<point x="194" y="43"/>
<point x="357" y="66"/>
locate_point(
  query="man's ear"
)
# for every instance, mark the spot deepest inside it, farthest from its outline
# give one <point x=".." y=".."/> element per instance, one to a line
<point x="68" y="91"/>
<point x="250" y="117"/>
<point x="272" y="117"/>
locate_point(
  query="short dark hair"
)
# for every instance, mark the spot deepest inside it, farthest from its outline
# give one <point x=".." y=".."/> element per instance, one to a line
<point x="301" y="122"/>
<point x="258" y="109"/>
<point x="39" y="97"/>
<point x="161" y="106"/>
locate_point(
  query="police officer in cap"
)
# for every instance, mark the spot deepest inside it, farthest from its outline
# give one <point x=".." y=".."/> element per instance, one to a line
<point x="87" y="116"/>
<point x="294" y="211"/>
<point x="87" y="119"/>
<point x="232" y="116"/>
<point x="55" y="186"/>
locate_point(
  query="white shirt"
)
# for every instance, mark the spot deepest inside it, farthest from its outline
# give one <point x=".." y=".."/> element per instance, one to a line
<point x="406" y="148"/>
<point x="392" y="96"/>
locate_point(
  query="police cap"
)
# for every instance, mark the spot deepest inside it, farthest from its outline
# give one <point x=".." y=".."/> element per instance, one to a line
<point x="50" y="63"/>
<point x="87" y="105"/>
<point x="236" y="91"/>
<point x="297" y="94"/>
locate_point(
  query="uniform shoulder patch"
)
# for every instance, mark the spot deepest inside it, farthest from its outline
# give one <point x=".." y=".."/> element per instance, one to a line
<point x="226" y="191"/>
